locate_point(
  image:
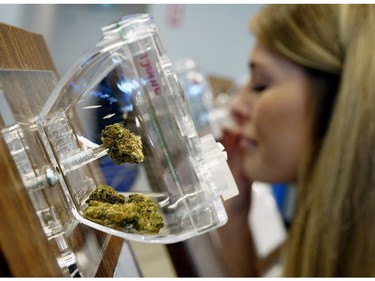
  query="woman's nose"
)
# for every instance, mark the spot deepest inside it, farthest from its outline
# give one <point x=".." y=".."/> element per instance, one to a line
<point x="239" y="108"/>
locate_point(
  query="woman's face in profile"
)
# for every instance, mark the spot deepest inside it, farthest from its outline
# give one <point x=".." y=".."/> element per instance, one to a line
<point x="275" y="117"/>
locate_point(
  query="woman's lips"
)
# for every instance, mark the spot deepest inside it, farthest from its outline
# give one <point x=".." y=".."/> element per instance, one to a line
<point x="248" y="143"/>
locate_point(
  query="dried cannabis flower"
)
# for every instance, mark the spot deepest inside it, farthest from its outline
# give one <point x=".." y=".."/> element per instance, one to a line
<point x="124" y="146"/>
<point x="139" y="213"/>
<point x="106" y="194"/>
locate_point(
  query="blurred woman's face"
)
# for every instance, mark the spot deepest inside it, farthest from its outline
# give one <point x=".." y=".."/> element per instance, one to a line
<point x="275" y="118"/>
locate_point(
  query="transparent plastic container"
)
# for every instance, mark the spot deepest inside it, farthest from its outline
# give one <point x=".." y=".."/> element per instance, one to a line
<point x="197" y="92"/>
<point x="210" y="114"/>
<point x="128" y="79"/>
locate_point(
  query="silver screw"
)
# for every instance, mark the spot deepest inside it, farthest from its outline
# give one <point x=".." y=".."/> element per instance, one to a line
<point x="51" y="177"/>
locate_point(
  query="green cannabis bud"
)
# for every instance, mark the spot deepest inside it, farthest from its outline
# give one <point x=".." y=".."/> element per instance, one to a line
<point x="106" y="194"/>
<point x="148" y="219"/>
<point x="123" y="145"/>
<point x="137" y="214"/>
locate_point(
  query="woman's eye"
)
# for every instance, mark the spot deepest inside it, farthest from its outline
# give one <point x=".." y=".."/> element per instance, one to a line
<point x="259" y="88"/>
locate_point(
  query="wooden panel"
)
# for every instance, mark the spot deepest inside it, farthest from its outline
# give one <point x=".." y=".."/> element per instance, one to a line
<point x="24" y="249"/>
<point x="23" y="242"/>
<point x="25" y="50"/>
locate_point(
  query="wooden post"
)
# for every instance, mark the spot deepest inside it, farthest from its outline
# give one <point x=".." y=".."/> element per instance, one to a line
<point x="24" y="248"/>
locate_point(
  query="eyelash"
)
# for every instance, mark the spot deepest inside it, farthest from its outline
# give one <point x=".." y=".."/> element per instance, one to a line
<point x="259" y="88"/>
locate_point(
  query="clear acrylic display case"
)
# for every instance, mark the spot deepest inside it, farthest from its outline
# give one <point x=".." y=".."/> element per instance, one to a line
<point x="198" y="94"/>
<point x="128" y="78"/>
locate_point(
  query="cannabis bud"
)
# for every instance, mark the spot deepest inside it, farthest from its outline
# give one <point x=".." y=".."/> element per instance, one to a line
<point x="109" y="208"/>
<point x="123" y="145"/>
<point x="105" y="193"/>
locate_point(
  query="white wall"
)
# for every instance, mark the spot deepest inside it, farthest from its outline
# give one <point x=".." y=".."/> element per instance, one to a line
<point x="215" y="35"/>
<point x="69" y="30"/>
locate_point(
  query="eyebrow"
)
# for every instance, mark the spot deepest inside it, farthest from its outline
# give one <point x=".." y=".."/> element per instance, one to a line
<point x="251" y="65"/>
<point x="259" y="70"/>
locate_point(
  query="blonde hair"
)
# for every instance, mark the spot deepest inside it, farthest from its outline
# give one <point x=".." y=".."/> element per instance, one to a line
<point x="333" y="232"/>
